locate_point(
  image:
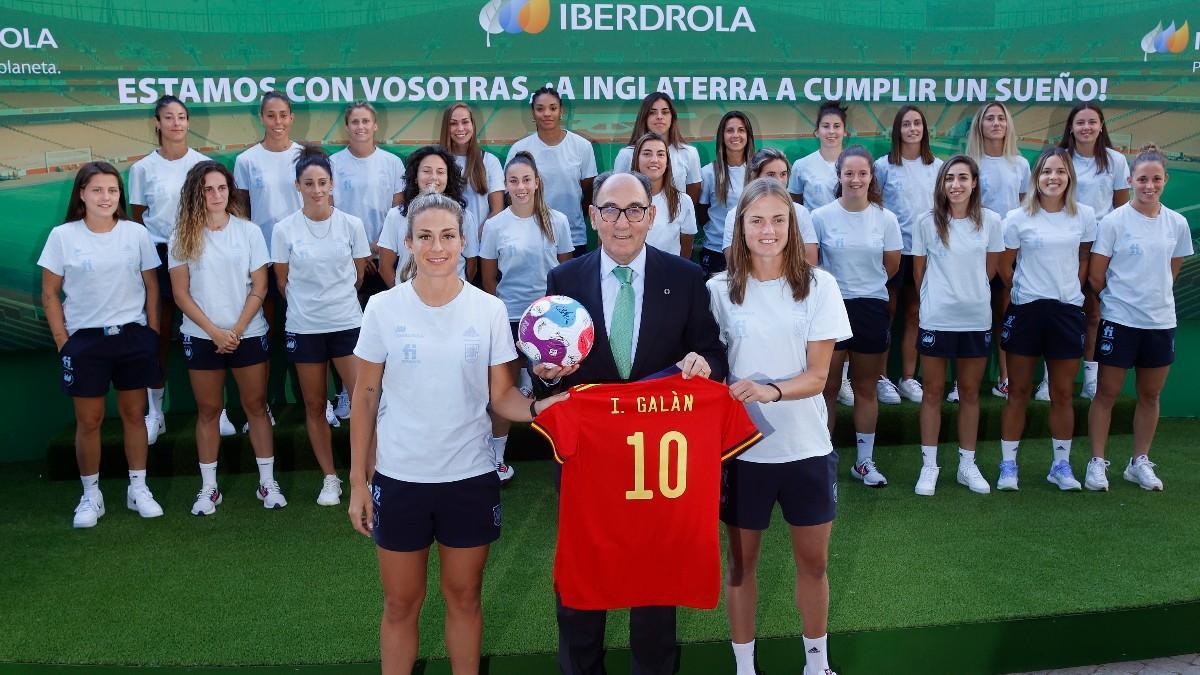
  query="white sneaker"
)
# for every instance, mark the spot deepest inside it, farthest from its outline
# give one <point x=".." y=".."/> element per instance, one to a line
<point x="330" y="417"/>
<point x="268" y="493"/>
<point x="505" y="471"/>
<point x="1062" y="476"/>
<point x="1043" y="391"/>
<point x="207" y="500"/>
<point x="140" y="500"/>
<point x="1008" y="476"/>
<point x="868" y="473"/>
<point x="1001" y="388"/>
<point x="927" y="482"/>
<point x="911" y="390"/>
<point x="246" y="426"/>
<point x="331" y="492"/>
<point x="886" y="391"/>
<point x="90" y="509"/>
<point x="968" y="475"/>
<point x="156" y="425"/>
<point x="827" y="671"/>
<point x="846" y="393"/>
<point x="226" y="427"/>
<point x="1096" y="477"/>
<point x="342" y="409"/>
<point x="1139" y="470"/>
<point x="952" y="397"/>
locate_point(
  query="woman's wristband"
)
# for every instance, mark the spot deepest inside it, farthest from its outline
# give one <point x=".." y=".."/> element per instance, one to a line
<point x="778" y="390"/>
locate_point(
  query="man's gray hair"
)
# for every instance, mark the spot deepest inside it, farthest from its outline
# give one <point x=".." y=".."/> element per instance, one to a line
<point x="600" y="180"/>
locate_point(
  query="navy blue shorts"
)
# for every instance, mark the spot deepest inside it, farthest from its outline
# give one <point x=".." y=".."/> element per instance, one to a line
<point x="1046" y="328"/>
<point x="712" y="262"/>
<point x="164" y="275"/>
<point x="904" y="274"/>
<point x="806" y="490"/>
<point x="1127" y="347"/>
<point x="320" y="347"/>
<point x="950" y="344"/>
<point x="126" y="357"/>
<point x="460" y="514"/>
<point x="870" y="325"/>
<point x="201" y="353"/>
<point x="371" y="284"/>
<point x="579" y="250"/>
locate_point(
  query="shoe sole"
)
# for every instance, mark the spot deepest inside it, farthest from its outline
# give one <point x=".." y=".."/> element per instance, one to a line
<point x="220" y="498"/>
<point x="329" y="503"/>
<point x="132" y="506"/>
<point x="1152" y="488"/>
<point x="264" y="502"/>
<point x="1060" y="487"/>
<point x="924" y="493"/>
<point x="1095" y="487"/>
<point x="988" y="491"/>
<point x="881" y="484"/>
<point x="1007" y="488"/>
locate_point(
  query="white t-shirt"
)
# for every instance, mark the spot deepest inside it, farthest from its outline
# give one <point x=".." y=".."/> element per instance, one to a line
<point x="1048" y="261"/>
<point x="219" y="281"/>
<point x="664" y="233"/>
<point x="767" y="337"/>
<point x="364" y="187"/>
<point x="320" y="255"/>
<point x="907" y="191"/>
<point x="956" y="294"/>
<point x="155" y="182"/>
<point x="561" y="167"/>
<point x="477" y="203"/>
<point x="714" y="229"/>
<point x="433" y="420"/>
<point x="852" y="247"/>
<point x="1002" y="181"/>
<point x="803" y="219"/>
<point x="1139" y="288"/>
<point x="270" y="177"/>
<point x="1096" y="190"/>
<point x="685" y="164"/>
<point x="102" y="273"/>
<point x="395" y="229"/>
<point x="815" y="178"/>
<point x="523" y="255"/>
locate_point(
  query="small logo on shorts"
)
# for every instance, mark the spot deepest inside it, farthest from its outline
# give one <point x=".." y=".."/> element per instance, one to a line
<point x="290" y="343"/>
<point x="1004" y="333"/>
<point x="68" y="378"/>
<point x="1106" y="347"/>
<point x="834" y="492"/>
<point x="66" y="360"/>
<point x="928" y="338"/>
<point x="187" y="347"/>
<point x="266" y="344"/>
<point x="1008" y="320"/>
<point x="1108" y="331"/>
<point x="376" y="493"/>
<point x="987" y="337"/>
<point x="496" y="515"/>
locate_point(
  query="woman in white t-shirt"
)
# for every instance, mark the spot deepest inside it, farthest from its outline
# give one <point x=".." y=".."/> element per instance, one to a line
<point x="658" y="116"/>
<point x="1003" y="180"/>
<point x="722" y="182"/>
<point x="1135" y="261"/>
<point x="956" y="248"/>
<point x="566" y="163"/>
<point x="367" y="182"/>
<point x="320" y="253"/>
<point x="436" y="350"/>
<point x="154" y="184"/>
<point x="481" y="171"/>
<point x="430" y="169"/>
<point x="100" y="297"/>
<point x="218" y="265"/>
<point x="813" y="177"/>
<point x="1102" y="183"/>
<point x="1046" y="245"/>
<point x="674" y="226"/>
<point x="520" y="246"/>
<point x="772" y="163"/>
<point x="860" y="246"/>
<point x="907" y="175"/>
<point x="779" y="317"/>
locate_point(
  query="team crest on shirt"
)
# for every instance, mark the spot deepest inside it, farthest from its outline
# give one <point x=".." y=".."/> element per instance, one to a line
<point x="471" y="345"/>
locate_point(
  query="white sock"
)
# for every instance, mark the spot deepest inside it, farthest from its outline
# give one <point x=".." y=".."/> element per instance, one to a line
<point x="155" y="397"/>
<point x="1090" y="369"/>
<point x="208" y="474"/>
<point x="1045" y="373"/>
<point x="524" y="380"/>
<point x="137" y="479"/>
<point x="866" y="446"/>
<point x="266" y="469"/>
<point x="966" y="457"/>
<point x="743" y="656"/>
<point x="91" y="484"/>
<point x="846" y="369"/>
<point x="816" y="657"/>
<point x="1008" y="450"/>
<point x="499" y="443"/>
<point x="1062" y="450"/>
<point x="928" y="455"/>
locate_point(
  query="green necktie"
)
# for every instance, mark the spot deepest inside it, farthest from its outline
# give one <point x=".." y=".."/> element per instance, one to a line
<point x="620" y="334"/>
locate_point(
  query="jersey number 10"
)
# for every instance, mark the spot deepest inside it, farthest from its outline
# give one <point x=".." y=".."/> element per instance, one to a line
<point x="638" y="441"/>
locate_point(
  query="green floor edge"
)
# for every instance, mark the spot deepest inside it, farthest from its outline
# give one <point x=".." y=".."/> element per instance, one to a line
<point x="1018" y="645"/>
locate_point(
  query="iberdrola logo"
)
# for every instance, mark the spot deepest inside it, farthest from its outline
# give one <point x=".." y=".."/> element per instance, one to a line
<point x="514" y="16"/>
<point x="1160" y="41"/>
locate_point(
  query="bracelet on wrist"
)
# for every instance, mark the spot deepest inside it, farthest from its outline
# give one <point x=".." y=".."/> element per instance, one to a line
<point x="533" y="409"/>
<point x="778" y="391"/>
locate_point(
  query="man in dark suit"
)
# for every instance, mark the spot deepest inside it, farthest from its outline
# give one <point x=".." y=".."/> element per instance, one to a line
<point x="651" y="312"/>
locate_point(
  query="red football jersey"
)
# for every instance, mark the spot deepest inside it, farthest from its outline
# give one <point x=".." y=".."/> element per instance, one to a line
<point x="641" y="486"/>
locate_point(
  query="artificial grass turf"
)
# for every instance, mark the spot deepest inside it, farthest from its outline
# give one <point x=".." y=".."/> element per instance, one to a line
<point x="297" y="586"/>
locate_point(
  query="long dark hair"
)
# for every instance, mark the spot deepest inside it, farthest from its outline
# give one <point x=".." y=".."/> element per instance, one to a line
<point x="894" y="156"/>
<point x="874" y="191"/>
<point x="454" y="178"/>
<point x="76" y="209"/>
<point x="312" y="154"/>
<point x="941" y="202"/>
<point x="669" y="190"/>
<point x="721" y="160"/>
<point x="1103" y="142"/>
<point x="640" y="128"/>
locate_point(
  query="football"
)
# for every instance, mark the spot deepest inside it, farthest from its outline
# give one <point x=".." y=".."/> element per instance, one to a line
<point x="557" y="330"/>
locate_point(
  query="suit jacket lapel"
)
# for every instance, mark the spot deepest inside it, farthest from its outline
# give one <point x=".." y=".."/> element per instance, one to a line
<point x="593" y="301"/>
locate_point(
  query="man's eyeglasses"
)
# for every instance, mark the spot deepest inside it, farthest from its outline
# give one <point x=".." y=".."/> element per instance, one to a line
<point x="633" y="214"/>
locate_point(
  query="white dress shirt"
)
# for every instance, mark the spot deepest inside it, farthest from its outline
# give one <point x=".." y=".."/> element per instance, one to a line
<point x="610" y="285"/>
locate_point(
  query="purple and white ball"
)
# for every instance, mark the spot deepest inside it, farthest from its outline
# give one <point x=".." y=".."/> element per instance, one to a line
<point x="556" y="330"/>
